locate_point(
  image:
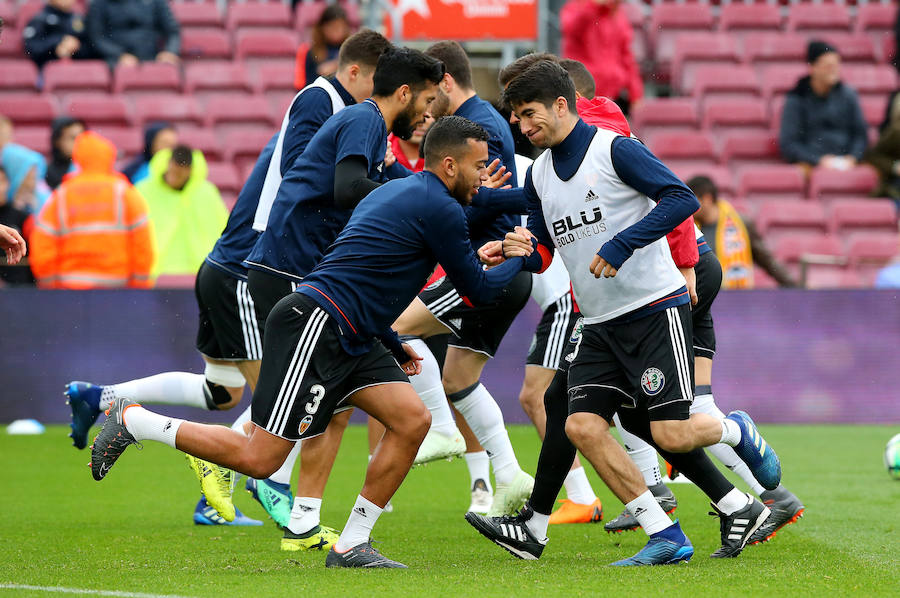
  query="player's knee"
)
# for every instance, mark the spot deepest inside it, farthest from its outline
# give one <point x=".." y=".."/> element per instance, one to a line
<point x="421" y="423"/>
<point x="258" y="466"/>
<point x="672" y="438"/>
<point x="224" y="386"/>
<point x="581" y="428"/>
<point x="532" y="400"/>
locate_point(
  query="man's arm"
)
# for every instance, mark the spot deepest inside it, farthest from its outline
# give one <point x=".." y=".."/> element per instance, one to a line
<point x="168" y="27"/>
<point x="95" y="24"/>
<point x="352" y="182"/>
<point x="307" y="115"/>
<point x="790" y="138"/>
<point x="860" y="130"/>
<point x="39" y="46"/>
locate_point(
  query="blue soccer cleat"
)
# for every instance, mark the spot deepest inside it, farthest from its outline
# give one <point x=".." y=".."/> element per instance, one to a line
<point x="756" y="453"/>
<point x="660" y="551"/>
<point x="84" y="400"/>
<point x="206" y="515"/>
<point x="276" y="499"/>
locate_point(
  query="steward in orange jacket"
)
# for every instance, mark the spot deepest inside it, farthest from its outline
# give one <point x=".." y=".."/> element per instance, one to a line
<point x="93" y="232"/>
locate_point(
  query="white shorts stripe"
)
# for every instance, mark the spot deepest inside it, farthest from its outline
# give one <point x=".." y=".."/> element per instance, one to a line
<point x="292" y="394"/>
<point x="254" y="323"/>
<point x="680" y="352"/>
<point x="556" y="342"/>
<point x="249" y="325"/>
<point x="242" y="314"/>
<point x="445" y="303"/>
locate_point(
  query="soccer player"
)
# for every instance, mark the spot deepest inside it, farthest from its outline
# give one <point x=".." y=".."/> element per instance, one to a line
<point x="329" y="345"/>
<point x="229" y="337"/>
<point x="631" y="356"/>
<point x="476" y="332"/>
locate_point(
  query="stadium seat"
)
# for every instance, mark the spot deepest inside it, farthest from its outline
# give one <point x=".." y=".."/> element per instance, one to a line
<point x="682" y="146"/>
<point x="177" y="109"/>
<point x="720" y="176"/>
<point x="750" y="17"/>
<point x="777" y="79"/>
<point x="258" y="14"/>
<point x="853" y="47"/>
<point x="28" y="9"/>
<point x="827" y="184"/>
<point x="18" y="75"/>
<point x="34" y="138"/>
<point x="268" y="44"/>
<point x="218" y="76"/>
<point x="204" y="140"/>
<point x="198" y="44"/>
<point x="9" y="12"/>
<point x="873" y="109"/>
<point x="98" y="109"/>
<point x="750" y="113"/>
<point x="238" y="109"/>
<point x="875" y="17"/>
<point x="793" y="248"/>
<point x="721" y="80"/>
<point x="870" y="79"/>
<point x="12" y="46"/>
<point x="762" y="280"/>
<point x="128" y="140"/>
<point x="816" y="18"/>
<point x="197" y="14"/>
<point x="779" y="48"/>
<point x="862" y="215"/>
<point x="276" y="77"/>
<point x="870" y="252"/>
<point x="836" y="276"/>
<point x="229" y="199"/>
<point x="700" y="49"/>
<point x="781" y="180"/>
<point x="244" y="146"/>
<point x="740" y="148"/>
<point x="148" y="76"/>
<point x="76" y="75"/>
<point x="307" y="14"/>
<point x="175" y="281"/>
<point x="29" y="110"/>
<point x="224" y="176"/>
<point x="279" y="101"/>
<point x="669" y="20"/>
<point x="654" y="114"/>
<point x="794" y="216"/>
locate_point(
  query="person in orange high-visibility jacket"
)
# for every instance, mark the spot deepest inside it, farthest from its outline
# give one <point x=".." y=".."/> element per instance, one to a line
<point x="93" y="232"/>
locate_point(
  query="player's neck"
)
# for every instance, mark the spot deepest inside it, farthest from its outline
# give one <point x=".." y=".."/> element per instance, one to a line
<point x="389" y="110"/>
<point x="458" y="97"/>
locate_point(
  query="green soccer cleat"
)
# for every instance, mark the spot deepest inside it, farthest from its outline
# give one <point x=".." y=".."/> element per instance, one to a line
<point x="217" y="485"/>
<point x="318" y="538"/>
<point x="275" y="498"/>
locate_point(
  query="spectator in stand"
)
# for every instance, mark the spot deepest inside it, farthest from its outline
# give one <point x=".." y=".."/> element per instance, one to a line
<point x="18" y="220"/>
<point x="157" y="136"/>
<point x="885" y="154"/>
<point x="57" y="32"/>
<point x="25" y="170"/>
<point x="822" y="123"/>
<point x="889" y="276"/>
<point x="735" y="241"/>
<point x="94" y="231"/>
<point x="598" y="34"/>
<point x="126" y="32"/>
<point x="407" y="152"/>
<point x="328" y="34"/>
<point x="186" y="210"/>
<point x="63" y="132"/>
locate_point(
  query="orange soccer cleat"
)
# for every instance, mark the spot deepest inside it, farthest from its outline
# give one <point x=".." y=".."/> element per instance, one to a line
<point x="572" y="512"/>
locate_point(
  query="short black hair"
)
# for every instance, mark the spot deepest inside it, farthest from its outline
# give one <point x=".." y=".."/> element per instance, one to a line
<point x="701" y="185"/>
<point x="182" y="155"/>
<point x="520" y="65"/>
<point x="448" y="136"/>
<point x="542" y="82"/>
<point x="455" y="60"/>
<point x="363" y="48"/>
<point x="581" y="77"/>
<point x="405" y="66"/>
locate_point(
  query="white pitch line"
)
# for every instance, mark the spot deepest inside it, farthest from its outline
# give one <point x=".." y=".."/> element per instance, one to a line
<point x="62" y="590"/>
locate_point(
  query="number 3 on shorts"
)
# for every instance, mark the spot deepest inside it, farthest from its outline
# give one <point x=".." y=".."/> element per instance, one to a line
<point x="318" y="393"/>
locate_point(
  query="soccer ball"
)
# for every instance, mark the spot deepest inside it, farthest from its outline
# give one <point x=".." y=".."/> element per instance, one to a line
<point x="892" y="457"/>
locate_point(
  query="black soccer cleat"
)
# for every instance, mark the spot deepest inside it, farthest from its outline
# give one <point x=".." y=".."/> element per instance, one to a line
<point x="626" y="521"/>
<point x="362" y="556"/>
<point x="510" y="533"/>
<point x="112" y="440"/>
<point x="737" y="528"/>
<point x="786" y="508"/>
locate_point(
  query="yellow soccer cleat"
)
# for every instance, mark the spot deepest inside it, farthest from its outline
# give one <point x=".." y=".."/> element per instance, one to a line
<point x="217" y="485"/>
<point x="572" y="512"/>
<point x="318" y="538"/>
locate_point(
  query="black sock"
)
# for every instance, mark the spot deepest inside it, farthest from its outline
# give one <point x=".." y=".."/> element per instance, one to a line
<point x="557" y="452"/>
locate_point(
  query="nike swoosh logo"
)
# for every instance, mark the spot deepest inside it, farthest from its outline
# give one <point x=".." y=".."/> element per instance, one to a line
<point x="103" y="470"/>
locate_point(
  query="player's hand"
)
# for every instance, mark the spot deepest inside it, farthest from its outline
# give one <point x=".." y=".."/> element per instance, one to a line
<point x="600" y="267"/>
<point x="168" y="57"/>
<point x="389" y="157"/>
<point x="13" y="244"/>
<point x="497" y="175"/>
<point x="690" y="281"/>
<point x="518" y="243"/>
<point x="414" y="365"/>
<point x="127" y="59"/>
<point x="491" y="253"/>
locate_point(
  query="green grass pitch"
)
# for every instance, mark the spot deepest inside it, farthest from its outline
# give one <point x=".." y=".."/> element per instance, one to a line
<point x="133" y="531"/>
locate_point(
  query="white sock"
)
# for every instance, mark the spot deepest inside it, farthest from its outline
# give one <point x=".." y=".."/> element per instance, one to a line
<point x="304" y="514"/>
<point x="733" y="501"/>
<point x="283" y="475"/>
<point x="146" y="425"/>
<point x="578" y="488"/>
<point x="731" y="432"/>
<point x="243" y="418"/>
<point x="538" y="525"/>
<point x="479" y="468"/>
<point x="429" y="388"/>
<point x="643" y="455"/>
<point x="171" y="388"/>
<point x="486" y="420"/>
<point x="359" y="526"/>
<point x="648" y="513"/>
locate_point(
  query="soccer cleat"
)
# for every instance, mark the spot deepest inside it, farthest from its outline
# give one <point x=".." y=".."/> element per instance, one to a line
<point x="83" y="398"/>
<point x="755" y="452"/>
<point x="660" y="551"/>
<point x="318" y="538"/>
<point x="510" y="533"/>
<point x="206" y="515"/>
<point x="217" y="485"/>
<point x="626" y="521"/>
<point x="361" y="555"/>
<point x="437" y="446"/>
<point x="275" y="497"/>
<point x="573" y="512"/>
<point x="481" y="497"/>
<point x="112" y="440"/>
<point x="509" y="498"/>
<point x="786" y="508"/>
<point x="737" y="528"/>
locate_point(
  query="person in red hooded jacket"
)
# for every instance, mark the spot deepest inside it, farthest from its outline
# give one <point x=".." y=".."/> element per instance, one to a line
<point x="598" y="34"/>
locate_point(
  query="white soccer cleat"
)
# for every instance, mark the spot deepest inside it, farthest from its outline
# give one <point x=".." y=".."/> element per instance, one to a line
<point x="438" y="446"/>
<point x="509" y="498"/>
<point x="482" y="499"/>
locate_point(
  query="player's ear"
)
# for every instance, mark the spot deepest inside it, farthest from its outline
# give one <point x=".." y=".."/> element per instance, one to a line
<point x="403" y="94"/>
<point x="354" y="71"/>
<point x="446" y="83"/>
<point x="449" y="164"/>
<point x="562" y="106"/>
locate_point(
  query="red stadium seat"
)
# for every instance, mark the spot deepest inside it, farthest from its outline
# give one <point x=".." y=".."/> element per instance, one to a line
<point x="724" y="80"/>
<point x="778" y="79"/>
<point x="669" y="20"/>
<point x="873" y="109"/>
<point x="750" y="17"/>
<point x="792" y="215"/>
<point x="862" y="215"/>
<point x="175" y="281"/>
<point x="276" y="77"/>
<point x="308" y="13"/>
<point x="204" y="140"/>
<point x="9" y="12"/>
<point x="128" y="140"/>
<point x="218" y="76"/>
<point x="278" y="43"/>
<point x="833" y="184"/>
<point x="148" y="76"/>
<point x="793" y="248"/>
<point x="818" y="17"/>
<point x="836" y="276"/>
<point x="76" y="75"/>
<point x="742" y="147"/>
<point x="720" y="176"/>
<point x="205" y="44"/>
<point x="28" y="9"/>
<point x="245" y="146"/>
<point x="870" y="79"/>
<point x="747" y="113"/>
<point x="762" y="280"/>
<point x="224" y="176"/>
<point x="18" y="75"/>
<point x="876" y="247"/>
<point x="781" y="180"/>
<point x="197" y="14"/>
<point x="34" y="138"/>
<point x="29" y="110"/>
<point x="98" y="109"/>
<point x="12" y="46"/>
<point x="682" y="146"/>
<point x="177" y="109"/>
<point x="876" y="17"/>
<point x="779" y="48"/>
<point x="698" y="49"/>
<point x="853" y="47"/>
<point x="668" y="113"/>
<point x="238" y="109"/>
<point x="258" y="14"/>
